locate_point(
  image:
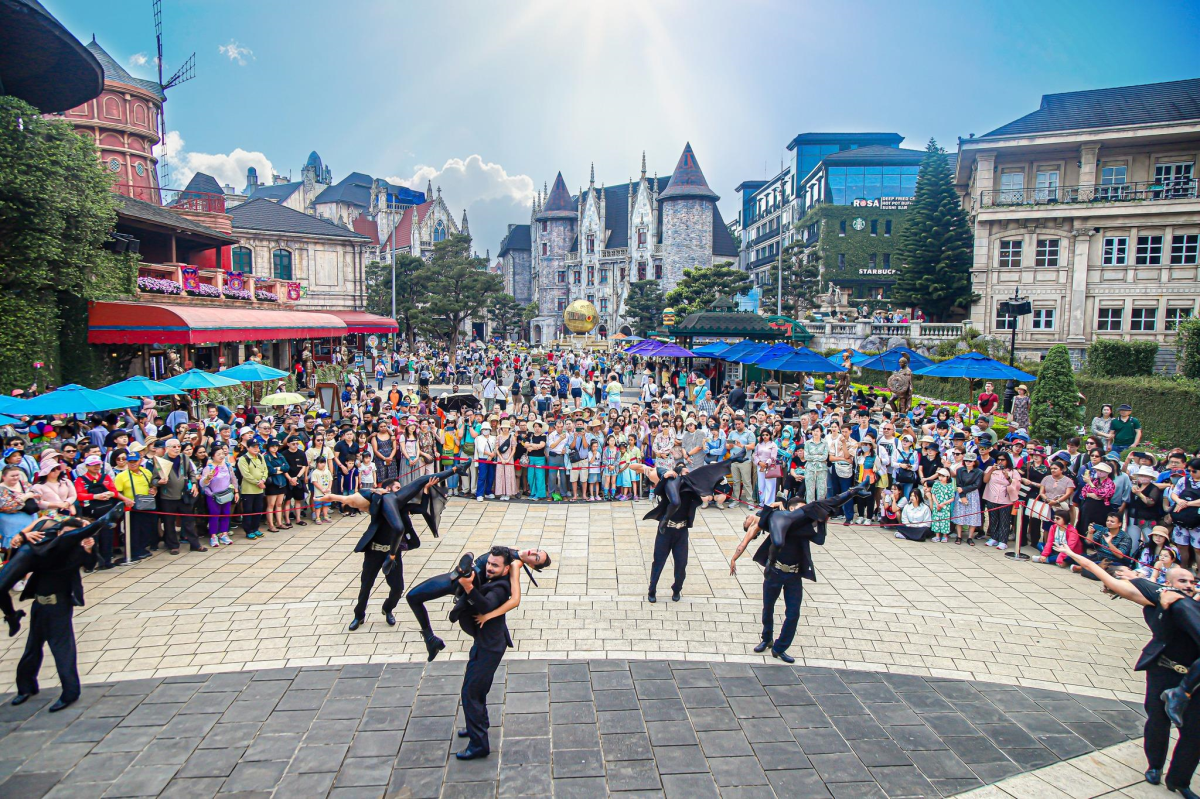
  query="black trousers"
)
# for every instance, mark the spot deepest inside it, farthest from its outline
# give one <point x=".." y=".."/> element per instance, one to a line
<point x="171" y="525"/>
<point x="372" y="563"/>
<point x="1158" y="729"/>
<point x="50" y="624"/>
<point x="143" y="528"/>
<point x="481" y="669"/>
<point x="791" y="586"/>
<point x="427" y="591"/>
<point x="252" y="507"/>
<point x="674" y="543"/>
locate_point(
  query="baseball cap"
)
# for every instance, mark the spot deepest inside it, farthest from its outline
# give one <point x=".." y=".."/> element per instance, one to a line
<point x="133" y="455"/>
<point x="92" y="460"/>
<point x="1124" y="407"/>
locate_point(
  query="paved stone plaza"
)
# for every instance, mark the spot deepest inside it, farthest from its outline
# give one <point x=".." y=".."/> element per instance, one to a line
<point x="922" y="670"/>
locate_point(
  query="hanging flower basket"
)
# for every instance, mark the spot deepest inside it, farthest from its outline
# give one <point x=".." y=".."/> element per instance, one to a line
<point x="204" y="290"/>
<point x="158" y="285"/>
<point x="265" y="296"/>
<point x="237" y="294"/>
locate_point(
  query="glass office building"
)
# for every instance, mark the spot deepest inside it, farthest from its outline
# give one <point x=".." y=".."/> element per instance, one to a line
<point x="850" y="183"/>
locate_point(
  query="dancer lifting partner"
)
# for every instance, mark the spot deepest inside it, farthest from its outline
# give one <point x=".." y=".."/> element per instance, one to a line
<point x="391" y="533"/>
<point x="785" y="558"/>
<point x="447" y="585"/>
<point x="680" y="493"/>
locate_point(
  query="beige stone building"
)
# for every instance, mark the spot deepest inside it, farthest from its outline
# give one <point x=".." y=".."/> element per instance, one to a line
<point x="1088" y="207"/>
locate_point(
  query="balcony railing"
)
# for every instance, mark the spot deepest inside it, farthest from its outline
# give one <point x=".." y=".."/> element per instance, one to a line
<point x="213" y="286"/>
<point x="766" y="259"/>
<point x="1115" y="193"/>
<point x="204" y="202"/>
<point x="766" y="235"/>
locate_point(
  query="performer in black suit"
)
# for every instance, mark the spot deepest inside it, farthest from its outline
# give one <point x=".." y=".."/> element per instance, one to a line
<point x="1174" y="645"/>
<point x="680" y="494"/>
<point x="491" y="641"/>
<point x="442" y="585"/>
<point x="391" y="533"/>
<point x="786" y="559"/>
<point x="56" y="589"/>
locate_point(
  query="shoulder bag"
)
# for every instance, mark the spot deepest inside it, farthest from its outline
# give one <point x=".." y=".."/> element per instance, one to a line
<point x="142" y="502"/>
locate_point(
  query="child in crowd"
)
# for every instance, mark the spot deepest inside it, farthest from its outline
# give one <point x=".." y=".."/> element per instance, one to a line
<point x="322" y="483"/>
<point x="595" y="467"/>
<point x="1061" y="533"/>
<point x="610" y="459"/>
<point x="365" y="466"/>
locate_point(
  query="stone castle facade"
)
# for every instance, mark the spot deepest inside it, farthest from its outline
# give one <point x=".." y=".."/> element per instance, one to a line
<point x="591" y="246"/>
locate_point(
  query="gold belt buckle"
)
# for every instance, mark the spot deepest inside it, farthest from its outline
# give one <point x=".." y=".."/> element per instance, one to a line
<point x="676" y="525"/>
<point x="380" y="547"/>
<point x="46" y="600"/>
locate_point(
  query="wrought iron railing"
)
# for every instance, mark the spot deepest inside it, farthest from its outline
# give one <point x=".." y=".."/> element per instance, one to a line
<point x="766" y="235"/>
<point x="1113" y="193"/>
<point x="174" y="198"/>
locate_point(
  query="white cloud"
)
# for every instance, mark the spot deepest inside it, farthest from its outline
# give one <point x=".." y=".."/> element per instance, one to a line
<point x="236" y="52"/>
<point x="139" y="60"/>
<point x="225" y="167"/>
<point x="493" y="197"/>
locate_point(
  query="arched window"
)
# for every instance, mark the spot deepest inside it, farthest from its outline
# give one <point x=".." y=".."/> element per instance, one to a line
<point x="439" y="231"/>
<point x="281" y="265"/>
<point x="243" y="260"/>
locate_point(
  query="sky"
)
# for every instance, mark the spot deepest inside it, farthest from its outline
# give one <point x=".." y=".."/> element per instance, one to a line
<point x="489" y="100"/>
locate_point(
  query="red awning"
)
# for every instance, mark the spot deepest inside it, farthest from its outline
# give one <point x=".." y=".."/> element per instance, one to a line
<point x="363" y="322"/>
<point x="144" y="323"/>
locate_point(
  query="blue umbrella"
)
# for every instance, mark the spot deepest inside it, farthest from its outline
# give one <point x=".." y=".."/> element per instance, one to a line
<point x="713" y="350"/>
<point x="974" y="365"/>
<point x="641" y="347"/>
<point x="252" y="372"/>
<point x="195" y="378"/>
<point x="776" y="350"/>
<point x="8" y="420"/>
<point x="744" y="353"/>
<point x="666" y="350"/>
<point x="74" y="398"/>
<point x="141" y="387"/>
<point x="12" y="405"/>
<point x="890" y="361"/>
<point x="856" y="357"/>
<point x="801" y="360"/>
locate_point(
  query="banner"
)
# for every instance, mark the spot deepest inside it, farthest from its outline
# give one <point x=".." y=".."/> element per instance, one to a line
<point x="235" y="281"/>
<point x="293" y="292"/>
<point x="191" y="278"/>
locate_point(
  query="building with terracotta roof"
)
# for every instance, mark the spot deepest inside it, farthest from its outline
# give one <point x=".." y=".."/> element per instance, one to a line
<point x="591" y="246"/>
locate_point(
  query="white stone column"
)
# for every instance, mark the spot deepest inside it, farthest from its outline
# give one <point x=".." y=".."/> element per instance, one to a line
<point x="1077" y="296"/>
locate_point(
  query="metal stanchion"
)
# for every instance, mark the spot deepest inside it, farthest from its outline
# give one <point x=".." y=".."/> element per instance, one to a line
<point x="128" y="532"/>
<point x="1016" y="553"/>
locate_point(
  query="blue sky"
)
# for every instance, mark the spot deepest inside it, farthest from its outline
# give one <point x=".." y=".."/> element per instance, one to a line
<point x="491" y="99"/>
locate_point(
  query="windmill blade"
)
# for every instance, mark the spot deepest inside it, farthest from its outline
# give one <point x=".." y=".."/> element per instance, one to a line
<point x="158" y="36"/>
<point x="183" y="74"/>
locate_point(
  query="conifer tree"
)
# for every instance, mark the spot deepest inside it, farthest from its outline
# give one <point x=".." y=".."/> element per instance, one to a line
<point x="1054" y="405"/>
<point x="935" y="244"/>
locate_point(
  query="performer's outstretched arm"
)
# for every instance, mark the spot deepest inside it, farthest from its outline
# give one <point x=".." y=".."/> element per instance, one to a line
<point x="514" y="599"/>
<point x="1122" y="588"/>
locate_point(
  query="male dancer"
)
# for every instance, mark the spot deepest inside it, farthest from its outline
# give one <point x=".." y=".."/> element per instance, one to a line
<point x="56" y="589"/>
<point x="680" y="493"/>
<point x="1175" y="643"/>
<point x="445" y="585"/>
<point x="785" y="558"/>
<point x="491" y="641"/>
<point x="391" y="533"/>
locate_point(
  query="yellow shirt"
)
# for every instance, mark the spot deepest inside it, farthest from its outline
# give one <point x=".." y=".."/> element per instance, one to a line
<point x="140" y="482"/>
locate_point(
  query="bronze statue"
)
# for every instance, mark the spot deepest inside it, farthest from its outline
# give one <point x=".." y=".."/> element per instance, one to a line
<point x="310" y="366"/>
<point x="900" y="384"/>
<point x="173" y="367"/>
<point x="844" y="390"/>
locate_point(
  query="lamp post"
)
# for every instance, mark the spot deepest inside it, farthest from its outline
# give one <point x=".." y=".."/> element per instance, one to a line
<point x="1013" y="308"/>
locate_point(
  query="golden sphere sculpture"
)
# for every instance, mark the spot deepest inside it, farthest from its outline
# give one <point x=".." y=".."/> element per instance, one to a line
<point x="580" y="317"/>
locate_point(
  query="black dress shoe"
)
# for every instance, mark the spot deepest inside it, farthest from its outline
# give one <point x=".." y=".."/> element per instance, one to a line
<point x="1175" y="702"/>
<point x="651" y="598"/>
<point x="61" y="705"/>
<point x="784" y="656"/>
<point x="433" y="645"/>
<point x="21" y="699"/>
<point x="463" y="733"/>
<point x="199" y="549"/>
<point x="470" y="753"/>
<point x="1154" y="776"/>
<point x="14" y="622"/>
<point x="762" y="646"/>
<point x="355" y="624"/>
<point x="674" y="596"/>
<point x="391" y="619"/>
<point x="1183" y="790"/>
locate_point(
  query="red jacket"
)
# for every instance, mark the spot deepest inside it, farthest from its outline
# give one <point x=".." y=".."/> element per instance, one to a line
<point x="84" y="495"/>
<point x="1074" y="543"/>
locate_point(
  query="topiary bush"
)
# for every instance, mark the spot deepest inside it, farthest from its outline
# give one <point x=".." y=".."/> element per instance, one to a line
<point x="1114" y="358"/>
<point x="1054" y="403"/>
<point x="1188" y="347"/>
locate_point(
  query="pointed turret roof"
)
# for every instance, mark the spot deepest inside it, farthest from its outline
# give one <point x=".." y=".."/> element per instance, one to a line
<point x="558" y="203"/>
<point x="117" y="74"/>
<point x="688" y="180"/>
<point x="463" y="229"/>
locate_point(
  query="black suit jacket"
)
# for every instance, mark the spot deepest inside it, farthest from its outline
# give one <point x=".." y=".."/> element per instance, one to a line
<point x="1176" y="630"/>
<point x="484" y="598"/>
<point x="64" y="575"/>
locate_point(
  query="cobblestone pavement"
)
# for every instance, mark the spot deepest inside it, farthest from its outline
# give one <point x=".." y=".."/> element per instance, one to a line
<point x="884" y="612"/>
<point x="563" y="729"/>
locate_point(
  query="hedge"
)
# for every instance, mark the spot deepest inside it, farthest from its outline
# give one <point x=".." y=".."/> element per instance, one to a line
<point x="1109" y="358"/>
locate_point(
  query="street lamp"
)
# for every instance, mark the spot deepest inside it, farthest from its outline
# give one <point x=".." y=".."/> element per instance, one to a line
<point x="1013" y="308"/>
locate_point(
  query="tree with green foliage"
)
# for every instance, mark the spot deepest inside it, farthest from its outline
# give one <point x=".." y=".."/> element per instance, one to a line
<point x="801" y="282"/>
<point x="700" y="287"/>
<point x="56" y="211"/>
<point x="528" y="314"/>
<point x="409" y="293"/>
<point x="505" y="315"/>
<point x="1054" y="405"/>
<point x="1188" y="347"/>
<point x="457" y="286"/>
<point x="644" y="306"/>
<point x="935" y="244"/>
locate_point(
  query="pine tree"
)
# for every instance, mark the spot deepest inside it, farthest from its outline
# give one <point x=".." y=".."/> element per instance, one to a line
<point x="935" y="244"/>
<point x="700" y="287"/>
<point x="644" y="306"/>
<point x="1054" y="404"/>
<point x="457" y="285"/>
<point x="801" y="282"/>
<point x="409" y="293"/>
<point x="504" y="314"/>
